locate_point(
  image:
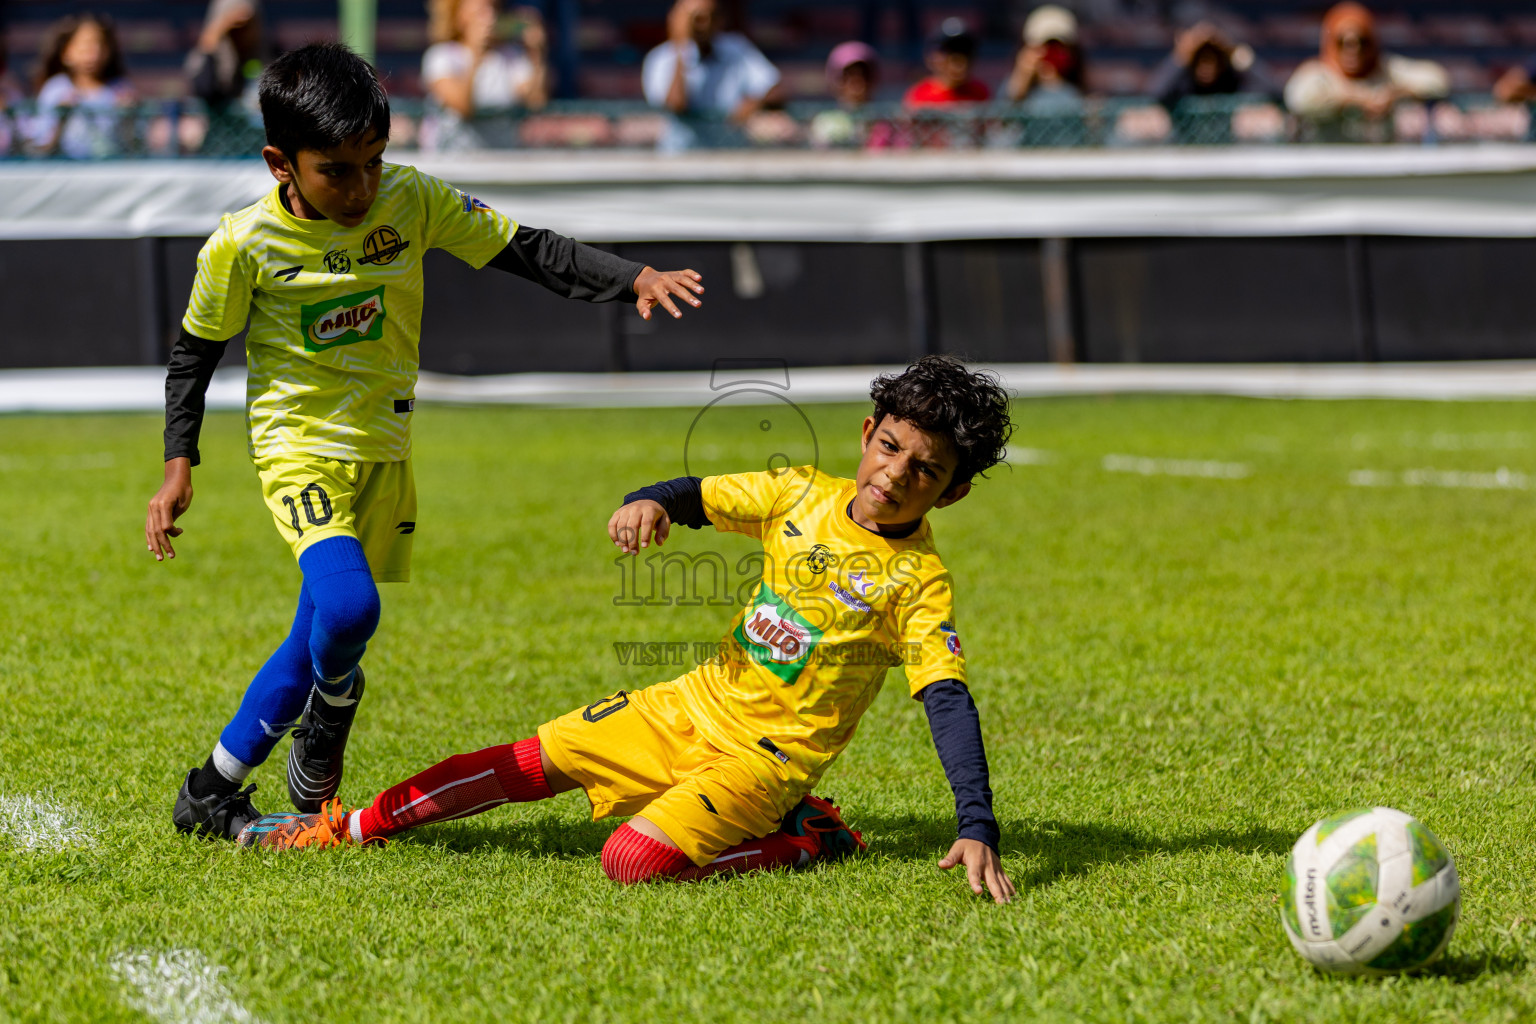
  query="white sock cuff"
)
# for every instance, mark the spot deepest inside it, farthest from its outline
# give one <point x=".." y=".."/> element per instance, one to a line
<point x="355" y="826"/>
<point x="230" y="766"/>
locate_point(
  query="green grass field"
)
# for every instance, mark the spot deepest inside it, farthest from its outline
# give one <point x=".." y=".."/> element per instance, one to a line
<point x="1177" y="674"/>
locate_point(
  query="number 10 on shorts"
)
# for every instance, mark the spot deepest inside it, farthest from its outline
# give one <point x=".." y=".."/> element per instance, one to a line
<point x="317" y="507"/>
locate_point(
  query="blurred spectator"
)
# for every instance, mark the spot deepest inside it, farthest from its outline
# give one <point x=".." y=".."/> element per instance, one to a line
<point x="1206" y="63"/>
<point x="224" y="67"/>
<point x="468" y="72"/>
<point x="853" y="71"/>
<point x="1351" y="75"/>
<point x="82" y="91"/>
<point x="1517" y="85"/>
<point x="10" y="95"/>
<point x="951" y="54"/>
<point x="703" y="70"/>
<point x="700" y="69"/>
<point x="1048" y="72"/>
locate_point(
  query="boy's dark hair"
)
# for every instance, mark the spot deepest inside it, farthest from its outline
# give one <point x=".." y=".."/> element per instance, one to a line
<point x="320" y="95"/>
<point x="939" y="395"/>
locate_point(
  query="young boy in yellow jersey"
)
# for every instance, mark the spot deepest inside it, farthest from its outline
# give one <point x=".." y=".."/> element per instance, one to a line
<point x="327" y="267"/>
<point x="717" y="766"/>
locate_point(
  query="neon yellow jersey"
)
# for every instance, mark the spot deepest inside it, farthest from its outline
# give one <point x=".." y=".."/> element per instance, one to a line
<point x="836" y="608"/>
<point x="335" y="312"/>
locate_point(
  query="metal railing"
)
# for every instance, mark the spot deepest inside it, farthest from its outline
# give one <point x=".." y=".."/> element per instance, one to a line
<point x="188" y="128"/>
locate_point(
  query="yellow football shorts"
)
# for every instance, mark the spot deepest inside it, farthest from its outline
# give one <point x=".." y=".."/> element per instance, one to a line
<point x="312" y="498"/>
<point x="638" y="753"/>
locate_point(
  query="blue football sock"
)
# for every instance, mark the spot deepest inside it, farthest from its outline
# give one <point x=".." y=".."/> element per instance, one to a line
<point x="272" y="703"/>
<point x="337" y="614"/>
<point x="346" y="599"/>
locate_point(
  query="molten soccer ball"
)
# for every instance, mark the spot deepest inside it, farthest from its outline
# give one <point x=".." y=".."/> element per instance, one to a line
<point x="1369" y="891"/>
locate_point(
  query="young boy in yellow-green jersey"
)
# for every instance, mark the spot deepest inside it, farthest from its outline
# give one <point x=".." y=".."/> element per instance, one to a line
<point x="327" y="268"/>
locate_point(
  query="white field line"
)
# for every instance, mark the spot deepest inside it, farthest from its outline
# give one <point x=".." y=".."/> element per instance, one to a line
<point x="179" y="986"/>
<point x="1501" y="479"/>
<point x="1176" y="467"/>
<point x="34" y="824"/>
<point x="1027" y="456"/>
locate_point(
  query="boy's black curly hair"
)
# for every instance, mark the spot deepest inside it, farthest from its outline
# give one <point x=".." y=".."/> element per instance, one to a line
<point x="320" y="95"/>
<point x="941" y="396"/>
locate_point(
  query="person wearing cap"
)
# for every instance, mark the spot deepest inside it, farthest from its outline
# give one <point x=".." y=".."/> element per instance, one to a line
<point x="1352" y="75"/>
<point x="853" y="69"/>
<point x="951" y="53"/>
<point x="1204" y="62"/>
<point x="1049" y="68"/>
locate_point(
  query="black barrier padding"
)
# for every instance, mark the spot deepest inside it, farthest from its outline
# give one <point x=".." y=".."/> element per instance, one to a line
<point x="822" y="304"/>
<point x="1454" y="298"/>
<point x="69" y="303"/>
<point x="1216" y="300"/>
<point x="989" y="301"/>
<point x="488" y="321"/>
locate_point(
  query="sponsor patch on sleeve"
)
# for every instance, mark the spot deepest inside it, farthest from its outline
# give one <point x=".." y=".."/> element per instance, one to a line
<point x="471" y="204"/>
<point x="951" y="637"/>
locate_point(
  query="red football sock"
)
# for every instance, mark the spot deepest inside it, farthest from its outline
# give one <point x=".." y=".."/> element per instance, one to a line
<point x="464" y="784"/>
<point x="777" y="850"/>
<point x="630" y="857"/>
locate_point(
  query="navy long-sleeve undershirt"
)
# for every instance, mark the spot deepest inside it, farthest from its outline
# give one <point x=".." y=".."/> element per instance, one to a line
<point x="952" y="716"/>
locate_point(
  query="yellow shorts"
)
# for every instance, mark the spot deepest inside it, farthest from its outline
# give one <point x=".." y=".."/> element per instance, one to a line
<point x="638" y="753"/>
<point x="313" y="498"/>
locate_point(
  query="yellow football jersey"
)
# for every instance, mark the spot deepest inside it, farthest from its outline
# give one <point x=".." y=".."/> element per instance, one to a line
<point x="837" y="607"/>
<point x="335" y="312"/>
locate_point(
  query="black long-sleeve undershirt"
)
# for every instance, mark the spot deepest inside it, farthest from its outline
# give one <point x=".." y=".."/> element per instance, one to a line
<point x="956" y="729"/>
<point x="952" y="716"/>
<point x="567" y="267"/>
<point x="187" y="374"/>
<point x="563" y="265"/>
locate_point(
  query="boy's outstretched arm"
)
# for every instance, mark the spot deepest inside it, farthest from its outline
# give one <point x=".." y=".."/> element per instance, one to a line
<point x="956" y="729"/>
<point x="648" y="514"/>
<point x="576" y="271"/>
<point x="187" y="374"/>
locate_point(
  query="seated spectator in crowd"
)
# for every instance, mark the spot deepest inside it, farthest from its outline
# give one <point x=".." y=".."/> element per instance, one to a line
<point x="82" y="91"/>
<point x="703" y="70"/>
<point x="1352" y="76"/>
<point x="1048" y="72"/>
<point x="951" y="54"/>
<point x="1206" y="63"/>
<point x="469" y="72"/>
<point x="1517" y="85"/>
<point x="223" y="69"/>
<point x="853" y="69"/>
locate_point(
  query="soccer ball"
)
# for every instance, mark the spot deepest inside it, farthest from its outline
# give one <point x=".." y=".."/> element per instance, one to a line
<point x="1369" y="891"/>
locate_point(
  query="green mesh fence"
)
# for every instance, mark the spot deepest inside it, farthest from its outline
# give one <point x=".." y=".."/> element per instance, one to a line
<point x="187" y="128"/>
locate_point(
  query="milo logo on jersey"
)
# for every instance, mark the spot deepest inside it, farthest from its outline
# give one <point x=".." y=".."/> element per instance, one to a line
<point x="776" y="636"/>
<point x="345" y="320"/>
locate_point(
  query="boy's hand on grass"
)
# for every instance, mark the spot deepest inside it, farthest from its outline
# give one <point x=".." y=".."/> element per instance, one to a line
<point x="634" y="525"/>
<point x="656" y="288"/>
<point x="171" y="501"/>
<point x="983" y="869"/>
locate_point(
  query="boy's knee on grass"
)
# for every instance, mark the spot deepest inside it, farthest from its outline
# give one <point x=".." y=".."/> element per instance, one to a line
<point x="630" y="856"/>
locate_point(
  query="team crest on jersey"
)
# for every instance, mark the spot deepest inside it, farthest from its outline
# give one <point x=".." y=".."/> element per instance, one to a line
<point x="345" y="320"/>
<point x="776" y="636"/>
<point x="338" y="262"/>
<point x="382" y="246"/>
<point x="819" y="558"/>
